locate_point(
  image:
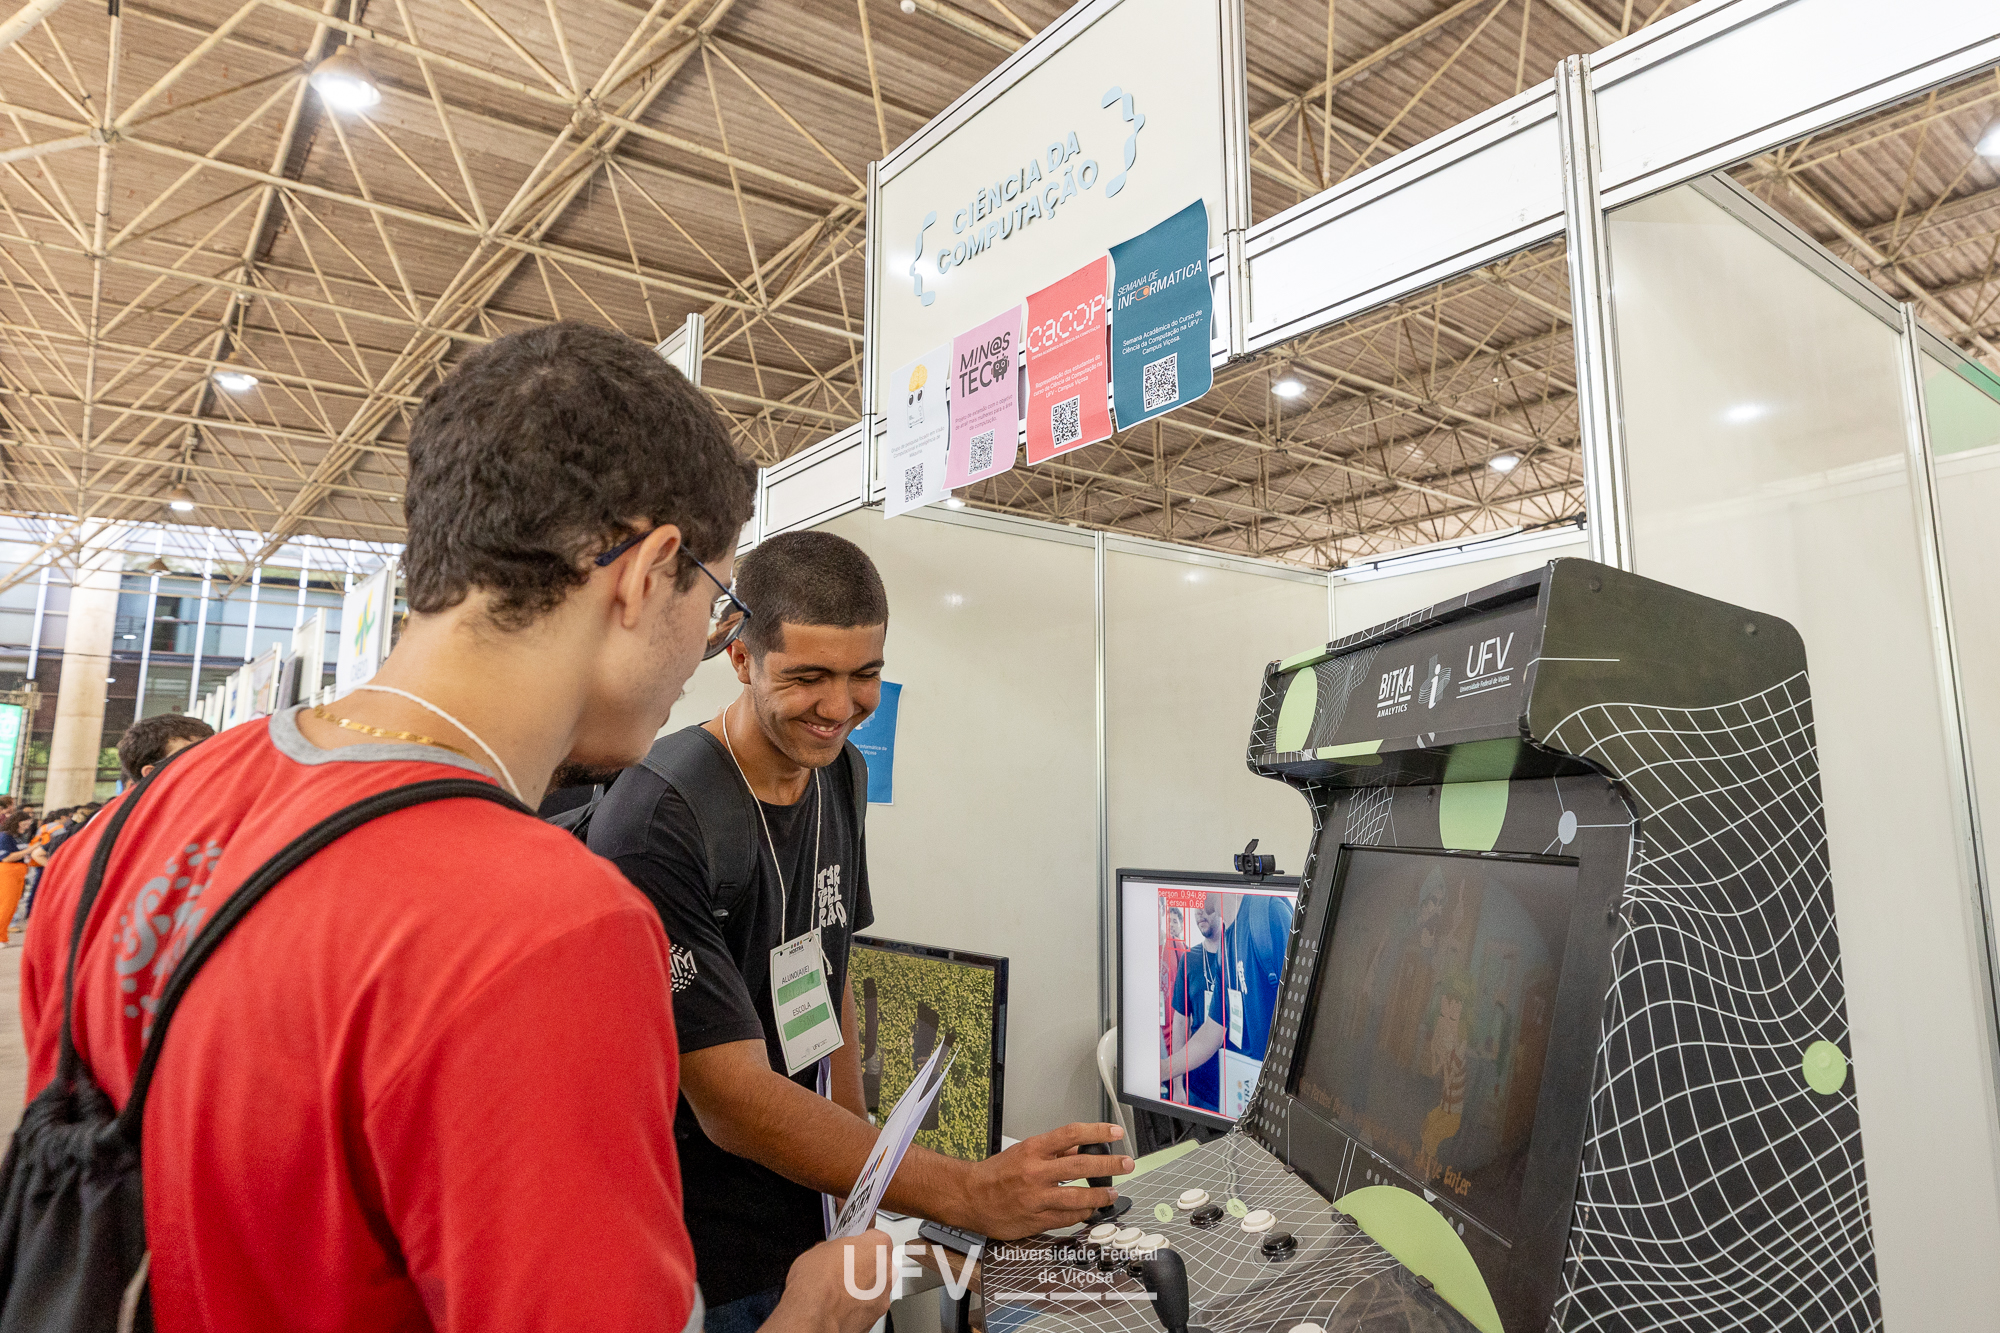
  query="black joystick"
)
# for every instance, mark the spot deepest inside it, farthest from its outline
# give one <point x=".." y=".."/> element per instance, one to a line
<point x="1116" y="1208"/>
<point x="1164" y="1274"/>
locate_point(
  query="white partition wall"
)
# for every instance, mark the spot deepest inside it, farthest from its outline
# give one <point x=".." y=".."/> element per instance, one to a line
<point x="1186" y="642"/>
<point x="991" y="844"/>
<point x="1769" y="454"/>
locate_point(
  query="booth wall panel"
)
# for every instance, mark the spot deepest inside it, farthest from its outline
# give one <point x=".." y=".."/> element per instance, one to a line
<point x="1184" y="658"/>
<point x="1965" y="438"/>
<point x="1359" y="604"/>
<point x="1767" y="445"/>
<point x="992" y="842"/>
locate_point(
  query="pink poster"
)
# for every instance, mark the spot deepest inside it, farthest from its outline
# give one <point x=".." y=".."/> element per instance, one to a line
<point x="1069" y="364"/>
<point x="985" y="400"/>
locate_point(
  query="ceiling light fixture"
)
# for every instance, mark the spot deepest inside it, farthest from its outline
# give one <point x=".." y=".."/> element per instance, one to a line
<point x="180" y="499"/>
<point x="909" y="6"/>
<point x="236" y="381"/>
<point x="953" y="502"/>
<point x="1502" y="462"/>
<point x="1289" y="386"/>
<point x="1990" y="145"/>
<point x="1743" y="412"/>
<point x="345" y="84"/>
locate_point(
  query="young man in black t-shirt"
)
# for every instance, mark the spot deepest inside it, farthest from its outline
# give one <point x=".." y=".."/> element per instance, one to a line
<point x="769" y="1117"/>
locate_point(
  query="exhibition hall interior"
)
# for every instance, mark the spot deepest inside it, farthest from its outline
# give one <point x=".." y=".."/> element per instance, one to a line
<point x="1465" y="793"/>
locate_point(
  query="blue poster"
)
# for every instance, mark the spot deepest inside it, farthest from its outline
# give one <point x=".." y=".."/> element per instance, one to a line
<point x="1160" y="311"/>
<point x="876" y="739"/>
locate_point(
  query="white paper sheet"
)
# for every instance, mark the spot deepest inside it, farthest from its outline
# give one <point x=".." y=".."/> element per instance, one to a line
<point x="893" y="1143"/>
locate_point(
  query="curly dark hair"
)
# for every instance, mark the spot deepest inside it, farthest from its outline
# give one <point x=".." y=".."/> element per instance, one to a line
<point x="550" y="445"/>
<point x="145" y="741"/>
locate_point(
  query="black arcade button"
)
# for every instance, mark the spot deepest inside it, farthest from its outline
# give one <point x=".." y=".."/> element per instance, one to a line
<point x="1206" y="1216"/>
<point x="1280" y="1246"/>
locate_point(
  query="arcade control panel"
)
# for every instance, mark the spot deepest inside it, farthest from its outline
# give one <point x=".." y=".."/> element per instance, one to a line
<point x="1260" y="1251"/>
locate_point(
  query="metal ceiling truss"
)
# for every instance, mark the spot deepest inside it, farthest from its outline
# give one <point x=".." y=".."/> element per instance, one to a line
<point x="174" y="199"/>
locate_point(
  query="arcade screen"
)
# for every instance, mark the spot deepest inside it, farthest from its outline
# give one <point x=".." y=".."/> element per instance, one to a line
<point x="907" y="998"/>
<point x="1200" y="962"/>
<point x="1429" y="1022"/>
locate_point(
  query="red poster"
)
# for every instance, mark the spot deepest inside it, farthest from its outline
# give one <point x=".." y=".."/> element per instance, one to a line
<point x="1069" y="364"/>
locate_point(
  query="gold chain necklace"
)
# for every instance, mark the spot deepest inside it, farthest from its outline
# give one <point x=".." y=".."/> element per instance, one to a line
<point x="319" y="711"/>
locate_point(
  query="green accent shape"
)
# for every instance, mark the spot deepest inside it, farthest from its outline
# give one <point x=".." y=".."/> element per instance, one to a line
<point x="819" y="1013"/>
<point x="1295" y="714"/>
<point x="1825" y="1068"/>
<point x="1162" y="1213"/>
<point x="1482" y="761"/>
<point x="1470" y="815"/>
<point x="1236" y="1208"/>
<point x="1153" y="1161"/>
<point x="798" y="986"/>
<point x="1423" y="1242"/>
<point x="1361" y="753"/>
<point x="1309" y="657"/>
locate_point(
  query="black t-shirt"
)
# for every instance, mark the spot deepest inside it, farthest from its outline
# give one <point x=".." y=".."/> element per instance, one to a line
<point x="748" y="1222"/>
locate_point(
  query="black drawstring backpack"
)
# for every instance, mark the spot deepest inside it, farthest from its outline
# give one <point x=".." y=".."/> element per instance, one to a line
<point x="73" y="1256"/>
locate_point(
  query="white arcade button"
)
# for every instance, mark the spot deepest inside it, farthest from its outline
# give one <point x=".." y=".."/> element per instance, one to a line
<point x="1193" y="1199"/>
<point x="1260" y="1220"/>
<point x="1103" y="1231"/>
<point x="1306" y="1328"/>
<point x="1127" y="1236"/>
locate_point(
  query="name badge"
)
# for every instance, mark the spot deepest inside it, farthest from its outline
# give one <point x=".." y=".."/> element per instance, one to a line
<point x="1236" y="1018"/>
<point x="808" y="1020"/>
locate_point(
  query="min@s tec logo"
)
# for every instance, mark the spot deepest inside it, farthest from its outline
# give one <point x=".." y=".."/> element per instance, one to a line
<point x="1033" y="191"/>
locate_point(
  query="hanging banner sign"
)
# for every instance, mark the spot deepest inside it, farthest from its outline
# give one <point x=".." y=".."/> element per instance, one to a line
<point x="364" y="628"/>
<point x="919" y="434"/>
<point x="1068" y="365"/>
<point x="1161" y="305"/>
<point x="1117" y="113"/>
<point x="985" y="400"/>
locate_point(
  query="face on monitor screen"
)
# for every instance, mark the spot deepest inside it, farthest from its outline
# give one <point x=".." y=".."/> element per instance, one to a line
<point x="1200" y="971"/>
<point x="1430" y="1018"/>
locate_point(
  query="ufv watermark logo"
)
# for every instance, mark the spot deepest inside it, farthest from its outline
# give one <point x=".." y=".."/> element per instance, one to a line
<point x="900" y="1264"/>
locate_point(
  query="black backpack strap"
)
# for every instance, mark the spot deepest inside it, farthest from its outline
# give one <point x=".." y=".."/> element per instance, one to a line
<point x="698" y="768"/>
<point x="293" y="855"/>
<point x="69" y="1062"/>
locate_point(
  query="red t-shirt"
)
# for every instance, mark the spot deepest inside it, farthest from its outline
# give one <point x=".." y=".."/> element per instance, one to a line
<point x="428" y="1082"/>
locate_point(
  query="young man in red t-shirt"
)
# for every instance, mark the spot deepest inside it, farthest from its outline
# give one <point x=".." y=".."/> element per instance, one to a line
<point x="429" y="1082"/>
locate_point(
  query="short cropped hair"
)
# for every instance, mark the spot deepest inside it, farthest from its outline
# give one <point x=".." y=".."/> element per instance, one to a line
<point x="145" y="741"/>
<point x="807" y="578"/>
<point x="549" y="446"/>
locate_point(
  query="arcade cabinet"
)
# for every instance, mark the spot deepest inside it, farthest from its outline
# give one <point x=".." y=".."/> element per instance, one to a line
<point x="1561" y="1038"/>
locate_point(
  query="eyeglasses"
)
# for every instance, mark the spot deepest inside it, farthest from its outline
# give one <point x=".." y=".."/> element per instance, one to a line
<point x="726" y="618"/>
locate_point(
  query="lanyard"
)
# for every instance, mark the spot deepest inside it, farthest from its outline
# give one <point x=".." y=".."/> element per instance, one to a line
<point x="819" y="827"/>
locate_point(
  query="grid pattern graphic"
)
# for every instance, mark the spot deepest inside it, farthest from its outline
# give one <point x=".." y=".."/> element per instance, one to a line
<point x="1336" y="1274"/>
<point x="1719" y="1190"/>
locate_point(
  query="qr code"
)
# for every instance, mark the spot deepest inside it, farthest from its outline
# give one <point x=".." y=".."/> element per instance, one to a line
<point x="1066" y="421"/>
<point x="1160" y="382"/>
<point x="982" y="452"/>
<point x="913" y="483"/>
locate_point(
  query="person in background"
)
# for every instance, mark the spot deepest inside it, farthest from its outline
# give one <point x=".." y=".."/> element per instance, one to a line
<point x="429" y="1083"/>
<point x="151" y="739"/>
<point x="16" y="827"/>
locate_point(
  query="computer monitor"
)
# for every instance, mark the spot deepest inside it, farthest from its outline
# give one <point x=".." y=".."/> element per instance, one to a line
<point x="907" y="998"/>
<point x="1200" y="959"/>
<point x="1428" y="1024"/>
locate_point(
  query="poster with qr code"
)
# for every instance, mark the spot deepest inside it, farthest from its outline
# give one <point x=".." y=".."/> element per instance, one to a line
<point x="985" y="400"/>
<point x="1161" y="306"/>
<point x="919" y="434"/>
<point x="1069" y="363"/>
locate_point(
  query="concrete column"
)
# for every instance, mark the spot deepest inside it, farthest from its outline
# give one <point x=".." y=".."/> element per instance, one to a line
<point x="86" y="669"/>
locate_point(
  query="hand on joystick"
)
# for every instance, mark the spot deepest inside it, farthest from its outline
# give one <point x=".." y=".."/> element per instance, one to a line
<point x="1020" y="1191"/>
<point x="1118" y="1206"/>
